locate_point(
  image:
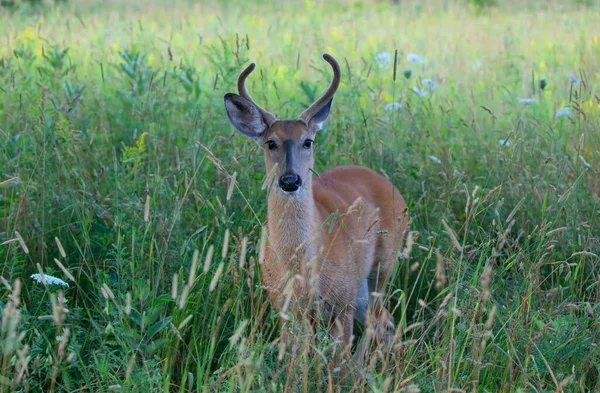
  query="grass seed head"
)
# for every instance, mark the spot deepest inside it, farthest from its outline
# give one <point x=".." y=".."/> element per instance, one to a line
<point x="192" y="275"/>
<point x="243" y="248"/>
<point x="128" y="303"/>
<point x="183" y="298"/>
<point x="22" y="242"/>
<point x="225" y="244"/>
<point x="231" y="186"/>
<point x="108" y="291"/>
<point x="217" y="276"/>
<point x="61" y="250"/>
<point x="208" y="259"/>
<point x="452" y="235"/>
<point x="174" y="286"/>
<point x="440" y="272"/>
<point x="64" y="270"/>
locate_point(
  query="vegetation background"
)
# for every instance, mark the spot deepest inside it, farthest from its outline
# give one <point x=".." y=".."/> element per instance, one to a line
<point x="121" y="177"/>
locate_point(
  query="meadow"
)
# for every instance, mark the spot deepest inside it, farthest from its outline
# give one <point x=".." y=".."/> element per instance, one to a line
<point x="122" y="178"/>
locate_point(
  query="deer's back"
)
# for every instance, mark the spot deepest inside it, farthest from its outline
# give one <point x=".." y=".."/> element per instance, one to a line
<point x="340" y="187"/>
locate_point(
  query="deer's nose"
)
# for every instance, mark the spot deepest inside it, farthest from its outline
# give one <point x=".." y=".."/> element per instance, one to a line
<point x="290" y="182"/>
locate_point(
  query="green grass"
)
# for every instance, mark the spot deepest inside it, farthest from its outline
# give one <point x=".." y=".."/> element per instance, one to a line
<point x="118" y="161"/>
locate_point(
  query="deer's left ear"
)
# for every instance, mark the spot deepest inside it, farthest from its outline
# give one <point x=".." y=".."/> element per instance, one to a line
<point x="319" y="118"/>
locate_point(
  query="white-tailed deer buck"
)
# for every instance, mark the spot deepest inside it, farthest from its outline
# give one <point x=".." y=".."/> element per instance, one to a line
<point x="335" y="236"/>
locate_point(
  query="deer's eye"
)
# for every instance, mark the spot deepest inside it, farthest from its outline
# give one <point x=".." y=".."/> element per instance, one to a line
<point x="308" y="143"/>
<point x="271" y="145"/>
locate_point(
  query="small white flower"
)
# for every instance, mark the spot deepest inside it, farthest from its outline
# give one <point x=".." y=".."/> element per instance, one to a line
<point x="435" y="159"/>
<point x="383" y="58"/>
<point x="49" y="279"/>
<point x="393" y="105"/>
<point x="419" y="91"/>
<point x="430" y="83"/>
<point x="477" y="64"/>
<point x="414" y="59"/>
<point x="566" y="111"/>
<point x="574" y="80"/>
<point x="527" y="100"/>
<point x="504" y="142"/>
<point x="584" y="161"/>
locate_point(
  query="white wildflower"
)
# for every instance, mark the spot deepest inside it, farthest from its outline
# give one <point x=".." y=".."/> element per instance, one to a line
<point x="414" y="59"/>
<point x="49" y="279"/>
<point x="566" y="111"/>
<point x="430" y="83"/>
<point x="504" y="142"/>
<point x="435" y="159"/>
<point x="584" y="161"/>
<point x="574" y="80"/>
<point x="393" y="105"/>
<point x="527" y="100"/>
<point x="383" y="58"/>
<point x="419" y="91"/>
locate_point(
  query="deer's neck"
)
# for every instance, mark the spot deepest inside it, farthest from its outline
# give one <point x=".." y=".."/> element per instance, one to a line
<point x="291" y="226"/>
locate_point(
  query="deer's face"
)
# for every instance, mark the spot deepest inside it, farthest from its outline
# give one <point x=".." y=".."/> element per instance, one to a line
<point x="287" y="144"/>
<point x="288" y="147"/>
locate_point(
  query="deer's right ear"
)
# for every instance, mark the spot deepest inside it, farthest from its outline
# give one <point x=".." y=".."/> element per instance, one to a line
<point x="244" y="116"/>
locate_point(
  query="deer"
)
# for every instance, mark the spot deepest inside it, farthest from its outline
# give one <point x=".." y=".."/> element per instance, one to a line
<point x="333" y="236"/>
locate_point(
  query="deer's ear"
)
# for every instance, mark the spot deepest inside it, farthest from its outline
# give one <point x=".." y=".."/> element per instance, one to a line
<point x="319" y="118"/>
<point x="244" y="116"/>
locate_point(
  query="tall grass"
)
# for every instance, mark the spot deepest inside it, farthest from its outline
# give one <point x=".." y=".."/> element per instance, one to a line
<point x="121" y="175"/>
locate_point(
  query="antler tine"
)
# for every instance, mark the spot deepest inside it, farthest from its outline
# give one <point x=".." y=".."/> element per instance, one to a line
<point x="328" y="95"/>
<point x="267" y="116"/>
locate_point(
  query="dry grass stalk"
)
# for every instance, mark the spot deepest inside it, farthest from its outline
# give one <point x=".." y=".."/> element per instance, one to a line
<point x="232" y="180"/>
<point x="452" y="235"/>
<point x="22" y="242"/>
<point x="440" y="272"/>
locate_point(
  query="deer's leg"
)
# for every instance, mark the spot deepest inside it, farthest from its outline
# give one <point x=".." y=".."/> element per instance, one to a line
<point x="362" y="303"/>
<point x="377" y="281"/>
<point x="341" y="326"/>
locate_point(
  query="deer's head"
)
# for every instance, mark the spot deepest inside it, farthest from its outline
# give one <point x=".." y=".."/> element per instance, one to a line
<point x="287" y="143"/>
